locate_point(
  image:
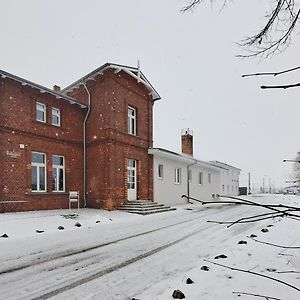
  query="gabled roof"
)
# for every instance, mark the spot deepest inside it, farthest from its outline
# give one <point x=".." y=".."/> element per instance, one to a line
<point x="133" y="72"/>
<point x="41" y="88"/>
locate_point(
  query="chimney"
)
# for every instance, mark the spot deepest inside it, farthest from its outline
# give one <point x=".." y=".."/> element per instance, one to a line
<point x="56" y="88"/>
<point x="187" y="141"/>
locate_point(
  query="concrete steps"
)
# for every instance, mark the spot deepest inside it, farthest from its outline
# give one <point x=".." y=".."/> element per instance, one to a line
<point x="144" y="207"/>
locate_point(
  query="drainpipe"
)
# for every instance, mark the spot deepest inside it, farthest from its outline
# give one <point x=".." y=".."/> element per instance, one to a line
<point x="84" y="144"/>
<point x="188" y="179"/>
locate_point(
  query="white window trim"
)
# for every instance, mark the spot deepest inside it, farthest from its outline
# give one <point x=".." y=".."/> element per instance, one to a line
<point x="130" y="117"/>
<point x="58" y="167"/>
<point x="55" y="112"/>
<point x="38" y="165"/>
<point x="162" y="171"/>
<point x="177" y="179"/>
<point x="44" y="111"/>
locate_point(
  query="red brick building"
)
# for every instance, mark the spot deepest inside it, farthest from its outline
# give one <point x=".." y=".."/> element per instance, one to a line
<point x="92" y="137"/>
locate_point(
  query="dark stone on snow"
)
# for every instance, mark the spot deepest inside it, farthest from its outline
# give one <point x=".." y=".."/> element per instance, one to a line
<point x="221" y="256"/>
<point x="242" y="242"/>
<point x="60" y="228"/>
<point x="189" y="281"/>
<point x="4" y="235"/>
<point x="253" y="235"/>
<point x="270" y="225"/>
<point x="97" y="221"/>
<point x="39" y="231"/>
<point x="78" y="224"/>
<point x="205" y="268"/>
<point x="271" y="269"/>
<point x="264" y="230"/>
<point x="177" y="294"/>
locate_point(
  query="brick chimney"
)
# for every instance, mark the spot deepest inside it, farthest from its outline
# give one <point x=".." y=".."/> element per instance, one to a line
<point x="187" y="141"/>
<point x="56" y="88"/>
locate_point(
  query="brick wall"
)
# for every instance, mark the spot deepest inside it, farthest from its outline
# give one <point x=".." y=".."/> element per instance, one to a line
<point x="18" y="125"/>
<point x="109" y="145"/>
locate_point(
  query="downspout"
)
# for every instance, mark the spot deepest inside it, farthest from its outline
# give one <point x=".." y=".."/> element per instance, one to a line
<point x="188" y="179"/>
<point x="84" y="144"/>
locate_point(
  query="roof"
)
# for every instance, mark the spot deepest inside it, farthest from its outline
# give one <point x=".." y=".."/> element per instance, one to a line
<point x="133" y="72"/>
<point x="183" y="157"/>
<point x="41" y="88"/>
<point x="224" y="165"/>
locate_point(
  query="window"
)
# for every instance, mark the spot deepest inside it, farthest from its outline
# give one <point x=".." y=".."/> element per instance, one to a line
<point x="200" y="178"/>
<point x="131" y="120"/>
<point x="209" y="178"/>
<point x="223" y="188"/>
<point x="38" y="172"/>
<point x="227" y="188"/>
<point x="160" y="171"/>
<point x="41" y="112"/>
<point x="190" y="175"/>
<point x="55" y="116"/>
<point x="177" y="175"/>
<point x="58" y="173"/>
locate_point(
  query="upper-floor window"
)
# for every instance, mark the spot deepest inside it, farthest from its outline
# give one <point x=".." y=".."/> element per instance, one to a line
<point x="131" y="120"/>
<point x="55" y="116"/>
<point x="209" y="178"/>
<point x="177" y="178"/>
<point x="41" y="112"/>
<point x="160" y="171"/>
<point x="200" y="178"/>
<point x="38" y="172"/>
<point x="58" y="173"/>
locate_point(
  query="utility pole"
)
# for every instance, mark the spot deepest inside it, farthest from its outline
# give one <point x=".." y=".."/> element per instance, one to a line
<point x="249" y="184"/>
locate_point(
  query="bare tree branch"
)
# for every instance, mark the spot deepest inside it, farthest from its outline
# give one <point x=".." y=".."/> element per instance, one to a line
<point x="254" y="273"/>
<point x="272" y="73"/>
<point x="274" y="36"/>
<point x="280" y="86"/>
<point x="275" y="245"/>
<point x="256" y="295"/>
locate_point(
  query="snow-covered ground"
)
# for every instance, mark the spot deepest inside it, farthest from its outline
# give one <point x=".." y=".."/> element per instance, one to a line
<point x="115" y="255"/>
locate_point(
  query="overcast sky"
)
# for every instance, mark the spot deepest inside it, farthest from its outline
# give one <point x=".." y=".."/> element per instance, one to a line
<point x="190" y="60"/>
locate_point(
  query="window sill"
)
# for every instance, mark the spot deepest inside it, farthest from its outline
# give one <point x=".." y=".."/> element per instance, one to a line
<point x="46" y="193"/>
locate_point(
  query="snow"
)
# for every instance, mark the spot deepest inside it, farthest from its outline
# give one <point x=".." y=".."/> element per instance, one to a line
<point x="147" y="257"/>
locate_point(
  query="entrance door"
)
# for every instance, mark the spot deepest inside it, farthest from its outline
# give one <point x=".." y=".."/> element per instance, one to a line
<point x="131" y="179"/>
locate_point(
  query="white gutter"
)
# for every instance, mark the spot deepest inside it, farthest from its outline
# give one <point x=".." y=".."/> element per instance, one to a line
<point x="84" y="143"/>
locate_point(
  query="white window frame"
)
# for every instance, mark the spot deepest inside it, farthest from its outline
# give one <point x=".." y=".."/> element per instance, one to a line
<point x="131" y="120"/>
<point x="43" y="110"/>
<point x="56" y="113"/>
<point x="209" y="178"/>
<point x="58" y="168"/>
<point x="177" y="178"/>
<point x="38" y="166"/>
<point x="160" y="170"/>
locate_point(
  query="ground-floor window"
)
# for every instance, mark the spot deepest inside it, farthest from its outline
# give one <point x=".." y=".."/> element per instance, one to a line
<point x="38" y="172"/>
<point x="200" y="178"/>
<point x="177" y="176"/>
<point x="160" y="171"/>
<point x="58" y="173"/>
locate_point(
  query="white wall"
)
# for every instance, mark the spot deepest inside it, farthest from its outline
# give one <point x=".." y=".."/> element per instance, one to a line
<point x="229" y="182"/>
<point x="167" y="192"/>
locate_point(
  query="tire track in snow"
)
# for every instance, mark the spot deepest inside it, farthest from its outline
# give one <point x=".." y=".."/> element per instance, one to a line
<point x="114" y="268"/>
<point x="76" y="252"/>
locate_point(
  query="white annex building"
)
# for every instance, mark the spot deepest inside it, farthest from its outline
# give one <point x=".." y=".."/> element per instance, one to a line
<point x="181" y="174"/>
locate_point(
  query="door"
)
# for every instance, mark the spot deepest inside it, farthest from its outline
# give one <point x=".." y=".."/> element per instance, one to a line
<point x="131" y="179"/>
